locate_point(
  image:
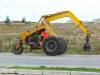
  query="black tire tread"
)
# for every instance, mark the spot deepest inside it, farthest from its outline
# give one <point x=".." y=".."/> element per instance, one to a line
<point x="61" y="46"/>
<point x="20" y="51"/>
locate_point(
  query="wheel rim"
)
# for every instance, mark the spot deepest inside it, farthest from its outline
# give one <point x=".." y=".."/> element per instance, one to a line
<point x="51" y="46"/>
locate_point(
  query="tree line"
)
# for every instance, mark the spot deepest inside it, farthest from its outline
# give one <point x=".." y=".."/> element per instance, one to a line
<point x="7" y="20"/>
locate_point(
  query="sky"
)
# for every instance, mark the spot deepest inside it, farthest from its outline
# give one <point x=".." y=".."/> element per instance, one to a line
<point x="86" y="10"/>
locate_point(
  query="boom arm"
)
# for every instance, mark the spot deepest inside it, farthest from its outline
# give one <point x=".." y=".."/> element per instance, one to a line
<point x="69" y="14"/>
<point x="44" y="23"/>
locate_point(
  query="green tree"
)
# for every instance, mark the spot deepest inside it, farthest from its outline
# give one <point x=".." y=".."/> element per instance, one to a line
<point x="23" y="20"/>
<point x="7" y="20"/>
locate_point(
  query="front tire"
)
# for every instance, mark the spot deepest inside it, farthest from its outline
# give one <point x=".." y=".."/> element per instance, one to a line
<point x="17" y="50"/>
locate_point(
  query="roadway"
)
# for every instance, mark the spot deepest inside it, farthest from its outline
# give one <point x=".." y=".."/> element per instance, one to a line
<point x="90" y="61"/>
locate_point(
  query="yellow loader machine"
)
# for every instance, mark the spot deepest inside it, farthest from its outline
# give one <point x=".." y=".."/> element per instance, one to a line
<point x="42" y="36"/>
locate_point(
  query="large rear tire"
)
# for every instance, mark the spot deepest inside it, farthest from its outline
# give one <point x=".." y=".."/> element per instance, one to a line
<point x="53" y="46"/>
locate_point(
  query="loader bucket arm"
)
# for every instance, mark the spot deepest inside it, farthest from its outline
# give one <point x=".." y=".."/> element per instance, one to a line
<point x="52" y="17"/>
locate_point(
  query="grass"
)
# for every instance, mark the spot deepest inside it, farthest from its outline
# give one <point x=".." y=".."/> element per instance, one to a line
<point x="57" y="68"/>
<point x="8" y="34"/>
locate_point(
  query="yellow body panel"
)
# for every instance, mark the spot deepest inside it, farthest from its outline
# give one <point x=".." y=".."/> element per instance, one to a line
<point x="23" y="35"/>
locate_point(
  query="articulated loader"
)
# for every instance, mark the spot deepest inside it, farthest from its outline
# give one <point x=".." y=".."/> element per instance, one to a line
<point x="42" y="36"/>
